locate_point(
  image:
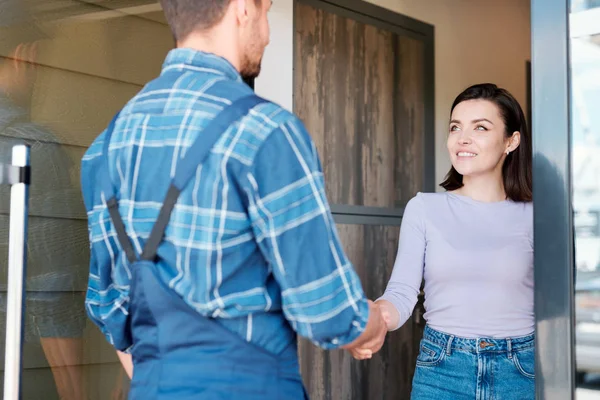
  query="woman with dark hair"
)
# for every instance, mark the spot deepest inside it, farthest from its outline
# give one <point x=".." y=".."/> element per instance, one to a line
<point x="473" y="246"/>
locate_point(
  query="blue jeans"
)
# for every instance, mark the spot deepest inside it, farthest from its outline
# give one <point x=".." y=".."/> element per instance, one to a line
<point x="450" y="367"/>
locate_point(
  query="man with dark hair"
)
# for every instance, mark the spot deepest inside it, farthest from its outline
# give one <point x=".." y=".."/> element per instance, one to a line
<point x="213" y="244"/>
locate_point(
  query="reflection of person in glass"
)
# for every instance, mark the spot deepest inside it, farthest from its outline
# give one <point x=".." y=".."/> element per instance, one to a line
<point x="54" y="312"/>
<point x="473" y="246"/>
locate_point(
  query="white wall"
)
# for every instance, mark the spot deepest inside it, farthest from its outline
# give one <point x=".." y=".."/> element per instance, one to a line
<point x="475" y="41"/>
<point x="276" y="80"/>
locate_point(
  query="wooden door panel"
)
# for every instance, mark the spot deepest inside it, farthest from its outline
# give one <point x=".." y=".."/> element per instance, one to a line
<point x="359" y="91"/>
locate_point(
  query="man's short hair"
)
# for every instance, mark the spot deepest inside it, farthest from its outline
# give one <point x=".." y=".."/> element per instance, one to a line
<point x="186" y="16"/>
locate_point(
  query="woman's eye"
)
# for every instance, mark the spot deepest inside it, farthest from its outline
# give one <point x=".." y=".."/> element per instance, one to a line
<point x="480" y="128"/>
<point x="453" y="128"/>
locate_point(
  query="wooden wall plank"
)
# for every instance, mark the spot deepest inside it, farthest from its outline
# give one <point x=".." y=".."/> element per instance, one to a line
<point x="122" y="48"/>
<point x="74" y="108"/>
<point x="77" y="107"/>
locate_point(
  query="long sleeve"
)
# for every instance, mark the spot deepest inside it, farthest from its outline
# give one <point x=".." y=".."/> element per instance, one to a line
<point x="107" y="297"/>
<point x="322" y="296"/>
<point x="404" y="285"/>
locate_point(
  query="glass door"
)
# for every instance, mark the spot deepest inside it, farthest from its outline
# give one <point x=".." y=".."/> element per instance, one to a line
<point x="566" y="134"/>
<point x="585" y="153"/>
<point x="65" y="68"/>
<point x="553" y="217"/>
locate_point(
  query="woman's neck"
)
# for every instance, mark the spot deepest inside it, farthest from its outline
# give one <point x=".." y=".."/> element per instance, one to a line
<point x="483" y="188"/>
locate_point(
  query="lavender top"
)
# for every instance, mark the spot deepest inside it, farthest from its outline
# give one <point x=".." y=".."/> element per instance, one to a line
<point x="477" y="262"/>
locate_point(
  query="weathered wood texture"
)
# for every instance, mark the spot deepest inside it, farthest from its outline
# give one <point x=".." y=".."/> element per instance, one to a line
<point x="335" y="374"/>
<point x="359" y="90"/>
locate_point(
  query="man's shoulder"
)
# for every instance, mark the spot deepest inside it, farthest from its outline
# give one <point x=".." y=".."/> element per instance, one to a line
<point x="205" y="94"/>
<point x="269" y="126"/>
<point x="269" y="113"/>
<point x="274" y="115"/>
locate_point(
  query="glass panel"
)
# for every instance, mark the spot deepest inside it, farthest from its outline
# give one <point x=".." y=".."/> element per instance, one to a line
<point x="585" y="126"/>
<point x="581" y="5"/>
<point x="65" y="68"/>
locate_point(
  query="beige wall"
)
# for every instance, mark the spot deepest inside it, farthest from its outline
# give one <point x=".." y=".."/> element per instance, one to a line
<point x="475" y="41"/>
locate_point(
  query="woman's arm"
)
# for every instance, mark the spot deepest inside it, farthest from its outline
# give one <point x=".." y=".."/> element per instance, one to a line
<point x="402" y="292"/>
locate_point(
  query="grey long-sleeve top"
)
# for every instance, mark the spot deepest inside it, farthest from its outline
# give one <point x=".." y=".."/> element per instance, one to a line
<point x="477" y="262"/>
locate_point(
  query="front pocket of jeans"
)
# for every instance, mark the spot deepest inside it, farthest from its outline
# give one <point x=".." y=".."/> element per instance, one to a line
<point x="524" y="361"/>
<point x="430" y="354"/>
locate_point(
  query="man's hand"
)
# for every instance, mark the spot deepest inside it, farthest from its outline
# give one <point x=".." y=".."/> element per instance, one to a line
<point x="371" y="340"/>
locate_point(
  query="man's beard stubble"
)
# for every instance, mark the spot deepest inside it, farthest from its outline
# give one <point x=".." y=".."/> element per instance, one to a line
<point x="250" y="70"/>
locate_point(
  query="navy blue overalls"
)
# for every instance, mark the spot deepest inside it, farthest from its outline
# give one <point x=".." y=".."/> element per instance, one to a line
<point x="177" y="353"/>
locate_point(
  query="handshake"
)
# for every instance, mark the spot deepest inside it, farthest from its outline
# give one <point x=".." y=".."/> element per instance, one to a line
<point x="382" y="318"/>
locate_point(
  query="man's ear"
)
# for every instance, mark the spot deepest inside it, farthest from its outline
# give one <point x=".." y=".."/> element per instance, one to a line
<point x="241" y="11"/>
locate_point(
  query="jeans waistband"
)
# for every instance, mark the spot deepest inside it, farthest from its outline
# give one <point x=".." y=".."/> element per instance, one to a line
<point x="479" y="345"/>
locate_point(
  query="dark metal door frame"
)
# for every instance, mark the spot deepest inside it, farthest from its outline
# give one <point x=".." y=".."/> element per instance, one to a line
<point x="553" y="220"/>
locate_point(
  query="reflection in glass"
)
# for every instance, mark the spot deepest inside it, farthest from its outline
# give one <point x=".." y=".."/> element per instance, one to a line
<point x="581" y="5"/>
<point x="55" y="317"/>
<point x="585" y="136"/>
<point x="65" y="68"/>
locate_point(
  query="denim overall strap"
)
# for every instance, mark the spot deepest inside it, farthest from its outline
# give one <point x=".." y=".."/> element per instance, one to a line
<point x="110" y="195"/>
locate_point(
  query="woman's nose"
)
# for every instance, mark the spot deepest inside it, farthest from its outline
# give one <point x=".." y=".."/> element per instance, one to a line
<point x="464" y="138"/>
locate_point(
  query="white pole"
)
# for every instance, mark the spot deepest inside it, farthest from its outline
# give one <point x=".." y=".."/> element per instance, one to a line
<point x="17" y="261"/>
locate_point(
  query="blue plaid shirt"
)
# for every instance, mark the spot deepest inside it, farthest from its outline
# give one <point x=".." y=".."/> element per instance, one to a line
<point x="251" y="240"/>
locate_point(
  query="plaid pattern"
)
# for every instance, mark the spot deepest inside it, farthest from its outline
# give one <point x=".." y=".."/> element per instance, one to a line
<point x="251" y="240"/>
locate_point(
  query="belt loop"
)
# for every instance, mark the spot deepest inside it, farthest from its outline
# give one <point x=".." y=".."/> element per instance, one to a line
<point x="509" y="348"/>
<point x="449" y="345"/>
